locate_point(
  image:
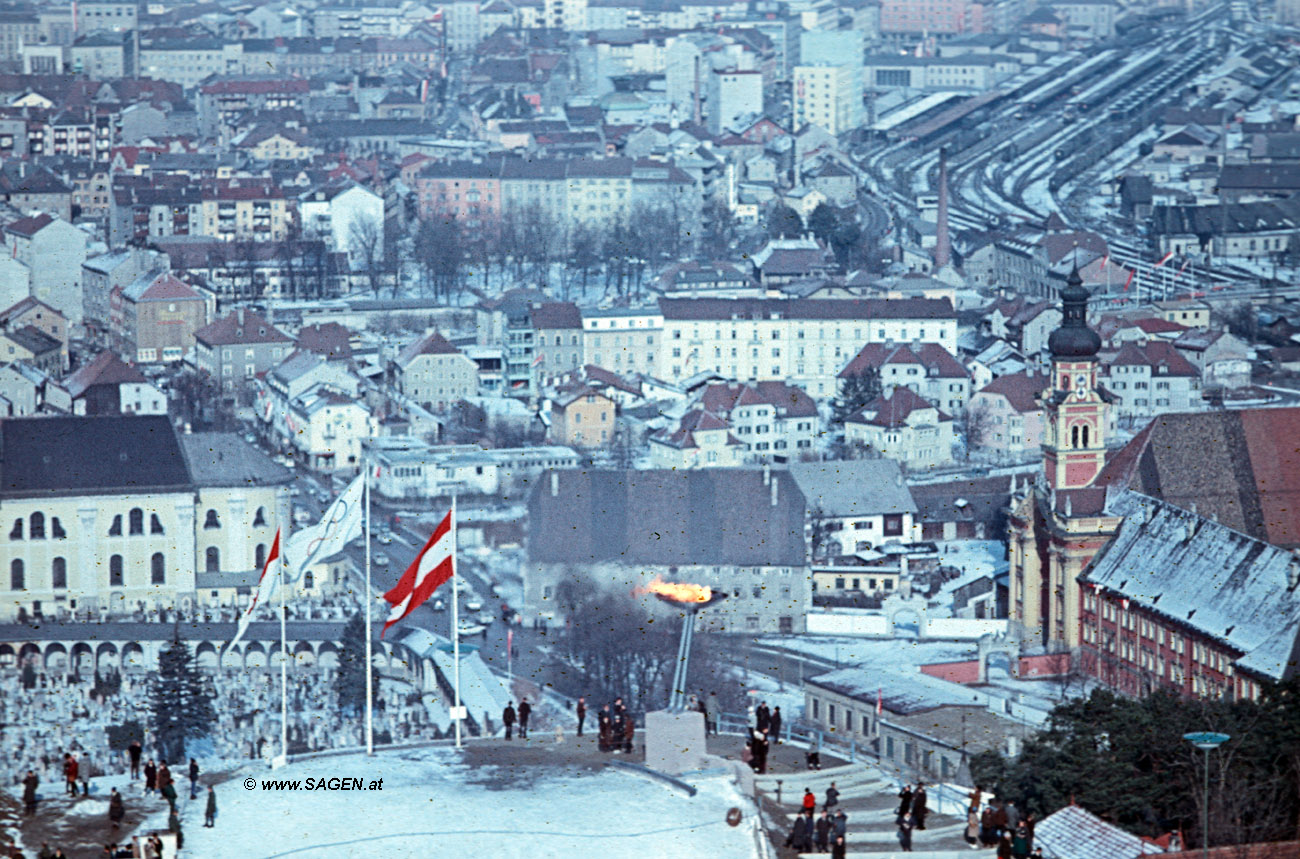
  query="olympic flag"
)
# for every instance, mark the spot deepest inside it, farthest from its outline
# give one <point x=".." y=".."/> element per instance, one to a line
<point x="338" y="526"/>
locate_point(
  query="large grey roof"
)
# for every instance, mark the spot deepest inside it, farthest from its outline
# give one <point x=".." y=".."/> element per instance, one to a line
<point x="1204" y="576"/>
<point x="707" y="516"/>
<point x="863" y="487"/>
<point x="225" y="459"/>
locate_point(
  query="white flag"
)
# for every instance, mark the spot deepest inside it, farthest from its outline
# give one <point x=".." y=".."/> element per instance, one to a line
<point x="339" y="525"/>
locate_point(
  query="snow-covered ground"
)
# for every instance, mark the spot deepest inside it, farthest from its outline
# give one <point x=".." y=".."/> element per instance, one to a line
<point x="433" y="805"/>
<point x="894" y="655"/>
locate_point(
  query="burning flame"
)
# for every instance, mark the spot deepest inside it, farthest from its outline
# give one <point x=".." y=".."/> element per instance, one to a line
<point x="677" y="591"/>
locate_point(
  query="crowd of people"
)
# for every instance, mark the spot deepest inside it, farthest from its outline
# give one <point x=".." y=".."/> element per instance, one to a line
<point x="615" y="728"/>
<point x="825" y="833"/>
<point x="764" y="729"/>
<point x="999" y="823"/>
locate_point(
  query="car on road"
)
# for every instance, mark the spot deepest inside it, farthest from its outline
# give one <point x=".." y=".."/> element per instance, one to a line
<point x="381" y="559"/>
<point x="468" y="627"/>
<point x="485" y="618"/>
<point x="473" y="603"/>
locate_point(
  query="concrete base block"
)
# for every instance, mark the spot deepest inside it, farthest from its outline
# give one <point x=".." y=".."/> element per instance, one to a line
<point x="674" y="742"/>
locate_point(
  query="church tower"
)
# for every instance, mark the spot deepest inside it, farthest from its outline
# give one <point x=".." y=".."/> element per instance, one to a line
<point x="1056" y="527"/>
<point x="1075" y="408"/>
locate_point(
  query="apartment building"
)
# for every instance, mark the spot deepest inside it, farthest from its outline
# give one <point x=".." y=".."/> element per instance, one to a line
<point x="828" y="96"/>
<point x="623" y="340"/>
<point x="805" y="342"/>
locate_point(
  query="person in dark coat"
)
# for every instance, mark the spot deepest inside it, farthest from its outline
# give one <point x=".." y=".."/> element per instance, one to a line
<point x="629" y="733"/>
<point x="194" y="778"/>
<point x="919" y="810"/>
<point x="150" y="777"/>
<point x="30" y="782"/>
<point x="761" y="748"/>
<point x="508" y="719"/>
<point x="525" y="710"/>
<point x="1020" y="841"/>
<point x="999" y="821"/>
<point x="814" y="759"/>
<point x="166" y="785"/>
<point x="763" y="716"/>
<point x="839" y="850"/>
<point x="134" y="751"/>
<point x="841" y="821"/>
<point x="582" y="714"/>
<point x="603" y="726"/>
<point x="798" y="832"/>
<point x="1004" y="846"/>
<point x="210" y="813"/>
<point x="987" y="836"/>
<point x="904" y="801"/>
<point x="832" y="796"/>
<point x="823" y="829"/>
<point x="774" y="728"/>
<point x="905" y="827"/>
<point x="116" y="810"/>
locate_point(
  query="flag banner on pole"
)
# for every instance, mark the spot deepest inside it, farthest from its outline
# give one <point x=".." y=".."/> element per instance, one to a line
<point x="431" y="568"/>
<point x="339" y="525"/>
<point x="880" y="701"/>
<point x="1164" y="259"/>
<point x="1129" y="279"/>
<point x="265" y="588"/>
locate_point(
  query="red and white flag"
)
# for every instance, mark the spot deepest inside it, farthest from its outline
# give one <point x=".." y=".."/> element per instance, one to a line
<point x="265" y="587"/>
<point x="435" y="564"/>
<point x="1164" y="259"/>
<point x="880" y="701"/>
<point x="1128" y="280"/>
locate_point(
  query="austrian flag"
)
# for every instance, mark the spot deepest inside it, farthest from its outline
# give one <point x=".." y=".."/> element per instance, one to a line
<point x="431" y="568"/>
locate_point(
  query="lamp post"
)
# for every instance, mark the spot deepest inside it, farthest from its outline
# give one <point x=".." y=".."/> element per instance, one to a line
<point x="1206" y="741"/>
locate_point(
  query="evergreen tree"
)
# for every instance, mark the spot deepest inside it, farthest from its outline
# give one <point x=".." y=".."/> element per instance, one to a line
<point x="350" y="684"/>
<point x="784" y="222"/>
<point x="180" y="702"/>
<point x="856" y="390"/>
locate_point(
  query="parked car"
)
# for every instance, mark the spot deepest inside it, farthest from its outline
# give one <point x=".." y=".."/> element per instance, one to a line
<point x="473" y="603"/>
<point x="381" y="559"/>
<point x="468" y="627"/>
<point x="485" y="618"/>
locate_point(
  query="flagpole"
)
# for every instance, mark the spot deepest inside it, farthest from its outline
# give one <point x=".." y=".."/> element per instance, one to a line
<point x="366" y="599"/>
<point x="455" y="621"/>
<point x="284" y="674"/>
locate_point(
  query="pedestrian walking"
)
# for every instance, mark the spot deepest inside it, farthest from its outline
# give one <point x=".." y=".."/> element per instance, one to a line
<point x="904" y="801"/>
<point x="1004" y="846"/>
<point x="987" y="836"/>
<point x="775" y="728"/>
<point x="763" y="717"/>
<point x="809" y="800"/>
<point x="1020" y="841"/>
<point x="823" y="832"/>
<point x="210" y="813"/>
<point x="919" y="809"/>
<point x="999" y="820"/>
<point x="582" y="714"/>
<point x="134" y="751"/>
<point x="713" y="708"/>
<point x="150" y="777"/>
<point x="839" y="850"/>
<point x="832" y="796"/>
<point x="116" y="809"/>
<point x="70" y="768"/>
<point x="973" y="827"/>
<point x="798" y="833"/>
<point x="841" y="821"/>
<point x="194" y="778"/>
<point x="167" y="786"/>
<point x="1013" y="815"/>
<point x="814" y="759"/>
<point x="905" y="827"/>
<point x="508" y="719"/>
<point x="761" y="747"/>
<point x="525" y="709"/>
<point x="603" y="727"/>
<point x="30" y="782"/>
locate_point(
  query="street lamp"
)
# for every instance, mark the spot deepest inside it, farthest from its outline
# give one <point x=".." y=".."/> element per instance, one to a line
<point x="1206" y="741"/>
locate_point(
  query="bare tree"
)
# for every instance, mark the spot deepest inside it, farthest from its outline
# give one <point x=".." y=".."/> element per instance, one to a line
<point x="366" y="249"/>
<point x="976" y="425"/>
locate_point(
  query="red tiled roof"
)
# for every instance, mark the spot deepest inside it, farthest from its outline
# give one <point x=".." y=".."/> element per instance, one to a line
<point x="433" y="344"/>
<point x="1020" y="389"/>
<point x="256" y="87"/>
<point x="229" y="330"/>
<point x="1155" y="354"/>
<point x="892" y="411"/>
<point x="556" y="314"/>
<point x="29" y="226"/>
<point x="106" y="369"/>
<point x="330" y="339"/>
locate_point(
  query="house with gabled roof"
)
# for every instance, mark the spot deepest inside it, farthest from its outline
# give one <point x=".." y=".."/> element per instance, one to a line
<point x="53" y="251"/>
<point x="43" y="317"/>
<point x="698" y="440"/>
<point x="155" y="318"/>
<point x="1008" y="415"/>
<point x="777" y="422"/>
<point x="109" y="386"/>
<point x="1150" y="379"/>
<point x="239" y="346"/>
<point x="904" y="427"/>
<point x="582" y="417"/>
<point x="927" y="368"/>
<point x="434" y="373"/>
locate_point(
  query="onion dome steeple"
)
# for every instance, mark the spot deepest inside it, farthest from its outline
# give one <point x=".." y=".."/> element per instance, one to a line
<point x="1074" y="339"/>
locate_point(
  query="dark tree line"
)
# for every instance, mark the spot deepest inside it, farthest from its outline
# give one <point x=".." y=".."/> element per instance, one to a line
<point x="1126" y="761"/>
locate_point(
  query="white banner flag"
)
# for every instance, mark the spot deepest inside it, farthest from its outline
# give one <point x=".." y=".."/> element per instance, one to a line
<point x="339" y="525"/>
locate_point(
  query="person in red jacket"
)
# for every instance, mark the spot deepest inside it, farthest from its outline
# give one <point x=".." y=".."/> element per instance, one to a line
<point x="70" y="768"/>
<point x="809" y="800"/>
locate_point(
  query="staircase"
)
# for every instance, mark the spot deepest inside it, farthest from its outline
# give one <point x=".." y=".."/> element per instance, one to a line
<point x="869" y="798"/>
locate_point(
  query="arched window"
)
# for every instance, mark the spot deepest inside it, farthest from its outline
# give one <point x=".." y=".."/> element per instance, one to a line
<point x="1085" y="436"/>
<point x="56" y="529"/>
<point x="17" y="532"/>
<point x="155" y="524"/>
<point x="211" y="520"/>
<point x="259" y="518"/>
<point x="259" y="556"/>
<point x="157" y="572"/>
<point x="116" y="578"/>
<point x="115" y="530"/>
<point x="59" y="574"/>
<point x="137" y="521"/>
<point x="308" y="580"/>
<point x="212" y="560"/>
<point x="17" y="579"/>
<point x="36" y="526"/>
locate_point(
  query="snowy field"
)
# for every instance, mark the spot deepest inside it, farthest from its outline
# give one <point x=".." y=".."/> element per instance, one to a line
<point x="432" y="805"/>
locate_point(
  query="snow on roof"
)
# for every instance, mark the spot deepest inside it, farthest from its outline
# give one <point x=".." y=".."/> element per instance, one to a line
<point x="1075" y="833"/>
<point x="900" y="692"/>
<point x="861" y="487"/>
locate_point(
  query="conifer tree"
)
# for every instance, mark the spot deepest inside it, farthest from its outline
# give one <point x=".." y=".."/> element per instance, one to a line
<point x="180" y="702"/>
<point x="350" y="683"/>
